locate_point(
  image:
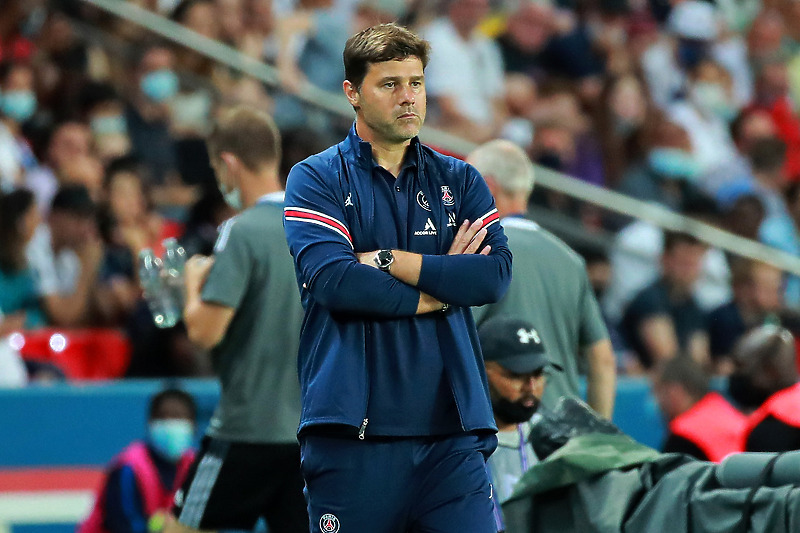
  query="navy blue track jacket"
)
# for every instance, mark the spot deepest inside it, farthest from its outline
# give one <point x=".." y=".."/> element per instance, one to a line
<point x="365" y="359"/>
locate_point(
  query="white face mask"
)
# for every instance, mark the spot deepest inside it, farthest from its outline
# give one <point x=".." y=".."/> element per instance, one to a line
<point x="232" y="196"/>
<point x="712" y="98"/>
<point x="171" y="437"/>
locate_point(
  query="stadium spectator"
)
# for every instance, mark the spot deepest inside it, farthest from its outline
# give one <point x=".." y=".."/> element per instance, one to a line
<point x="147" y="116"/>
<point x="465" y="76"/>
<point x="104" y="112"/>
<point x="623" y="112"/>
<point x="20" y="296"/>
<point x="550" y="287"/>
<point x="663" y="319"/>
<point x="702" y="423"/>
<point x="17" y="105"/>
<point x="140" y="482"/>
<point x="772" y="96"/>
<point x="66" y="254"/>
<point x="635" y="262"/>
<point x="757" y="300"/>
<point x="68" y="141"/>
<point x="705" y="113"/>
<point x="784" y="234"/>
<point x="668" y="170"/>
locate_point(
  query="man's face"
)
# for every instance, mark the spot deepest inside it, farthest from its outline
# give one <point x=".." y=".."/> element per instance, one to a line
<point x="515" y="397"/>
<point x="70" y="230"/>
<point x="682" y="265"/>
<point x="391" y="102"/>
<point x="70" y="140"/>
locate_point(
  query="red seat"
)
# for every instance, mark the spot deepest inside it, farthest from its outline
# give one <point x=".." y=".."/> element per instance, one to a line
<point x="79" y="353"/>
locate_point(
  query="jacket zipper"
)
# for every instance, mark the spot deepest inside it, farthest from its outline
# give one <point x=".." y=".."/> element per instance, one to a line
<point x="363" y="427"/>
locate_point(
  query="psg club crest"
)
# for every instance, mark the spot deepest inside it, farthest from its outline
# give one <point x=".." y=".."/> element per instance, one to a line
<point x="447" y="196"/>
<point x="329" y="523"/>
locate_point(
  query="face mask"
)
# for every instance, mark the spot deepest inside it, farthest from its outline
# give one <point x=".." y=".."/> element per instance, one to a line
<point x="513" y="412"/>
<point x="711" y="98"/>
<point x="672" y="163"/>
<point x="171" y="437"/>
<point x="109" y="125"/>
<point x="18" y="105"/>
<point x="232" y="197"/>
<point x="160" y="85"/>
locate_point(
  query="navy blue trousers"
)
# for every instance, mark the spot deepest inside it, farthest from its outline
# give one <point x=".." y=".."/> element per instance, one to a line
<point x="402" y="485"/>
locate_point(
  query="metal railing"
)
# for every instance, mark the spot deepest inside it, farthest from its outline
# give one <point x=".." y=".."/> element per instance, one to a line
<point x="337" y="104"/>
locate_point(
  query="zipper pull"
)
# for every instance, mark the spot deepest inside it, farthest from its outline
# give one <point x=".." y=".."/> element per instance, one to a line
<point x="362" y="429"/>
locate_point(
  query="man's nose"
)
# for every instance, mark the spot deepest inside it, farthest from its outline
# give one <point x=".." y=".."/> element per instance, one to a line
<point x="407" y="95"/>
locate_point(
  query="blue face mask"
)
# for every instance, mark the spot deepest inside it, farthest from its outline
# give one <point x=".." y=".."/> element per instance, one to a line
<point x="18" y="105"/>
<point x="160" y="85"/>
<point x="673" y="163"/>
<point x="109" y="125"/>
<point x="171" y="437"/>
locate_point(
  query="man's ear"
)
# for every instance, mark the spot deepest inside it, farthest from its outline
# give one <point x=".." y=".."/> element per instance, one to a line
<point x="351" y="92"/>
<point x="230" y="160"/>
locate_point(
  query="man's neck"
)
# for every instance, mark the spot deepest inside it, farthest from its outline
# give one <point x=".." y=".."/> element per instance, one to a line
<point x="262" y="185"/>
<point x="386" y="154"/>
<point x="504" y="426"/>
<point x="510" y="206"/>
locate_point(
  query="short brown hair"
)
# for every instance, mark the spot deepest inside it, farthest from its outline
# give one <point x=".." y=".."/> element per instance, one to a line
<point x="384" y="42"/>
<point x="249" y="134"/>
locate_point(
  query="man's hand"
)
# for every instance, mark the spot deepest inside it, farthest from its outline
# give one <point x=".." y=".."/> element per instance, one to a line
<point x="195" y="273"/>
<point x="469" y="238"/>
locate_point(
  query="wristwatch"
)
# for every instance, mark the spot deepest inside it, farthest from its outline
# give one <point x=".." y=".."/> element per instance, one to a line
<point x="384" y="259"/>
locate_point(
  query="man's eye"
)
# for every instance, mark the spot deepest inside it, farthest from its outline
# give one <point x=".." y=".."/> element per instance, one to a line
<point x="389" y="84"/>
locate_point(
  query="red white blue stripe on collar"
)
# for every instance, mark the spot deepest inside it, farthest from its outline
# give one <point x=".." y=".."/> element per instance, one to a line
<point x="301" y="214"/>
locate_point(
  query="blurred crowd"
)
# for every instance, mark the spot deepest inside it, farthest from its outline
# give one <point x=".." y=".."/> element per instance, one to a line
<point x="688" y="104"/>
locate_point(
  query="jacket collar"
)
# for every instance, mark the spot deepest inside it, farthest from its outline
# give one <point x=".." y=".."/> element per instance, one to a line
<point x="360" y="150"/>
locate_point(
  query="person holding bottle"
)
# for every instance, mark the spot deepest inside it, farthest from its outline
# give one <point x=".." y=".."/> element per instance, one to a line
<point x="242" y="304"/>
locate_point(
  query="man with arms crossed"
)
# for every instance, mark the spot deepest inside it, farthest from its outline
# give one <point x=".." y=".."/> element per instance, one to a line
<point x="392" y="243"/>
<point x="550" y="286"/>
<point x="242" y="304"/>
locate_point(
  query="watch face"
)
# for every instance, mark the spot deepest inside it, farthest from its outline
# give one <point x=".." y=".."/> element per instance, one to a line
<point x="384" y="258"/>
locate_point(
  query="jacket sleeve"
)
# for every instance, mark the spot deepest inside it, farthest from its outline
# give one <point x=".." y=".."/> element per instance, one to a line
<point x="324" y="256"/>
<point x="124" y="512"/>
<point x="469" y="280"/>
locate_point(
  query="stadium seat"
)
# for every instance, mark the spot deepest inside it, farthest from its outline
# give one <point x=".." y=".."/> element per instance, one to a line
<point x="89" y="354"/>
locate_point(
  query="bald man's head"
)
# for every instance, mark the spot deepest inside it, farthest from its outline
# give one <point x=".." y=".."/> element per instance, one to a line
<point x="765" y="362"/>
<point x="506" y="164"/>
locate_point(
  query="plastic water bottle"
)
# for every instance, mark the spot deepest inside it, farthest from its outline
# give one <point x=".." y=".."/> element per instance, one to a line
<point x="165" y="312"/>
<point x="174" y="262"/>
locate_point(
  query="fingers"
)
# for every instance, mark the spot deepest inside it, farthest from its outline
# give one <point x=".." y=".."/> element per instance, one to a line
<point x="458" y="241"/>
<point x="467" y="236"/>
<point x="486" y="250"/>
<point x="476" y="241"/>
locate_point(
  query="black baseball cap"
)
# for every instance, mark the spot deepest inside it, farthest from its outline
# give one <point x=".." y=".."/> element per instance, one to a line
<point x="513" y="343"/>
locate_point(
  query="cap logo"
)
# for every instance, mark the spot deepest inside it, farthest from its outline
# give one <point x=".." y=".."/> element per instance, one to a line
<point x="528" y="335"/>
